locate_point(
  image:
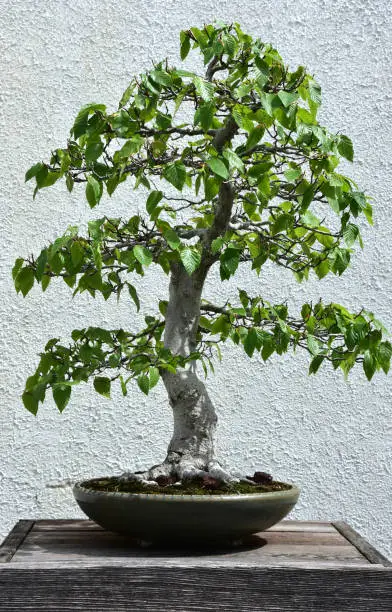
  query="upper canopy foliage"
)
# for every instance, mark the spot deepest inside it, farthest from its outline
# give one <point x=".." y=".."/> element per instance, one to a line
<point x="248" y="122"/>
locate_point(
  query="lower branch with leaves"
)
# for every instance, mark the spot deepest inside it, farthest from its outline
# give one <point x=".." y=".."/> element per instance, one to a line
<point x="329" y="332"/>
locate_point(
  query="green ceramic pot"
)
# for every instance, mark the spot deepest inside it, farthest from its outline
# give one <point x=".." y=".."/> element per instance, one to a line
<point x="177" y="519"/>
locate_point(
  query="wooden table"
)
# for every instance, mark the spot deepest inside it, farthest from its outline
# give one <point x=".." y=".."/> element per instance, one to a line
<point x="294" y="566"/>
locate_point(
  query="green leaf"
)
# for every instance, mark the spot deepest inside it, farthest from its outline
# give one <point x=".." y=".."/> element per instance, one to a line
<point x="132" y="146"/>
<point x="271" y="102"/>
<point x="230" y="44"/>
<point x="307" y="197"/>
<point x="255" y="135"/>
<point x="45" y="282"/>
<point x="33" y="171"/>
<point x="281" y="223"/>
<point x="204" y="115"/>
<point x="315" y="364"/>
<point x="352" y="337"/>
<point x="163" y="307"/>
<point x="314" y="91"/>
<point x="287" y="97"/>
<point x="81" y="122"/>
<point x="161" y="77"/>
<point x="310" y="219"/>
<point x="345" y="147"/>
<point x="221" y="325"/>
<point x="175" y="174"/>
<point x="369" y="364"/>
<point x="322" y="269"/>
<point x="341" y="259"/>
<point x="325" y="237"/>
<point x="143" y="255"/>
<point x="122" y="124"/>
<point x="251" y="342"/>
<point x="218" y="167"/>
<point x="292" y="174"/>
<point x="211" y="187"/>
<point x="61" y="395"/>
<point x="171" y="238"/>
<point x="93" y="151"/>
<point x="30" y="402"/>
<point x="153" y="200"/>
<point x="44" y="178"/>
<point x="368" y="212"/>
<point x="217" y="244"/>
<point x="17" y="266"/>
<point x="233" y="159"/>
<point x="190" y="258"/>
<point x="229" y="261"/>
<point x="306" y="311"/>
<point x="153" y="377"/>
<point x="93" y="191"/>
<point x="134" y="296"/>
<point x="123" y="386"/>
<point x="240" y="117"/>
<point x="185" y="44"/>
<point x="144" y="383"/>
<point x="384" y="354"/>
<point x="204" y="89"/>
<point x="24" y="280"/>
<point x="244" y="297"/>
<point x="313" y="344"/>
<point x="77" y="253"/>
<point x="112" y="183"/>
<point x="102" y="385"/>
<point x="69" y="182"/>
<point x="126" y="95"/>
<point x="350" y="234"/>
<point x="268" y="348"/>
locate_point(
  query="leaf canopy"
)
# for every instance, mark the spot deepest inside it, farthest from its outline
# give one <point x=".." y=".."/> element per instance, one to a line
<point x="248" y="126"/>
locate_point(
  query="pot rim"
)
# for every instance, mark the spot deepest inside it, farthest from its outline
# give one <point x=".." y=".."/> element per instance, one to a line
<point x="294" y="492"/>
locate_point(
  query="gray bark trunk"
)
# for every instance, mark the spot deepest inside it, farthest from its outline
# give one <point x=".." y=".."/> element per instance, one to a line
<point x="191" y="449"/>
<point x="192" y="445"/>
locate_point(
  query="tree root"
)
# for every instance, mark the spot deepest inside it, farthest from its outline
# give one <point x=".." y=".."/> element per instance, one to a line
<point x="175" y="472"/>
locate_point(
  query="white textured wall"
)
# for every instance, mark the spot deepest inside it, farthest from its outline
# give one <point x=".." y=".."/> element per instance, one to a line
<point x="331" y="437"/>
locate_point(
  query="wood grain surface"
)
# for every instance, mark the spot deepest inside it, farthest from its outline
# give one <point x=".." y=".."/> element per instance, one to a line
<point x="186" y="590"/>
<point x="300" y="566"/>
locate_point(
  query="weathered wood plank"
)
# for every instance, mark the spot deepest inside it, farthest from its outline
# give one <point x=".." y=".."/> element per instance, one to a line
<point x="74" y="561"/>
<point x="313" y="526"/>
<point x="84" y="524"/>
<point x="53" y="562"/>
<point x="268" y="549"/>
<point x="320" y="538"/>
<point x="92" y="537"/>
<point x="82" y="543"/>
<point x="255" y="558"/>
<point x="14" y="540"/>
<point x="366" y="549"/>
<point x="190" y="590"/>
<point x="66" y="525"/>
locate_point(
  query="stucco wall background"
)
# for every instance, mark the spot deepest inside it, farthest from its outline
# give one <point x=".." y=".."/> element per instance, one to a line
<point x="331" y="437"/>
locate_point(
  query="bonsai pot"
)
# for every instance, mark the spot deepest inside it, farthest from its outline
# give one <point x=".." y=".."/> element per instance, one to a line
<point x="181" y="518"/>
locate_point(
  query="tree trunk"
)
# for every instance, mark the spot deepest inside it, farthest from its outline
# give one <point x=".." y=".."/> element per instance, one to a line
<point x="192" y="446"/>
<point x="191" y="449"/>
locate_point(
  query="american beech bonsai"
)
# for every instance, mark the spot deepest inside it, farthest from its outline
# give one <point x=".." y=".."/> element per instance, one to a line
<point x="236" y="171"/>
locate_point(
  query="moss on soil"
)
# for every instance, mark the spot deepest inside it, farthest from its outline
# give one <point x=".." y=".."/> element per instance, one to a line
<point x="114" y="485"/>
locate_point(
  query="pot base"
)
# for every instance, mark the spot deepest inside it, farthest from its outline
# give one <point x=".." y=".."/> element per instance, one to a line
<point x="185" y="519"/>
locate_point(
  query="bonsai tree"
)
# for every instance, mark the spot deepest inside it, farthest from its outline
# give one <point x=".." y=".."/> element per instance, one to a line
<point x="236" y="171"/>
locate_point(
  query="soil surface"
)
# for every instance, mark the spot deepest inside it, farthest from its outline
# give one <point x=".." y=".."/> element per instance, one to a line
<point x="196" y="486"/>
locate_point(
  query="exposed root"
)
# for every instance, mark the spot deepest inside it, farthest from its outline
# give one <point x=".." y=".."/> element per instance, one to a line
<point x="176" y="472"/>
